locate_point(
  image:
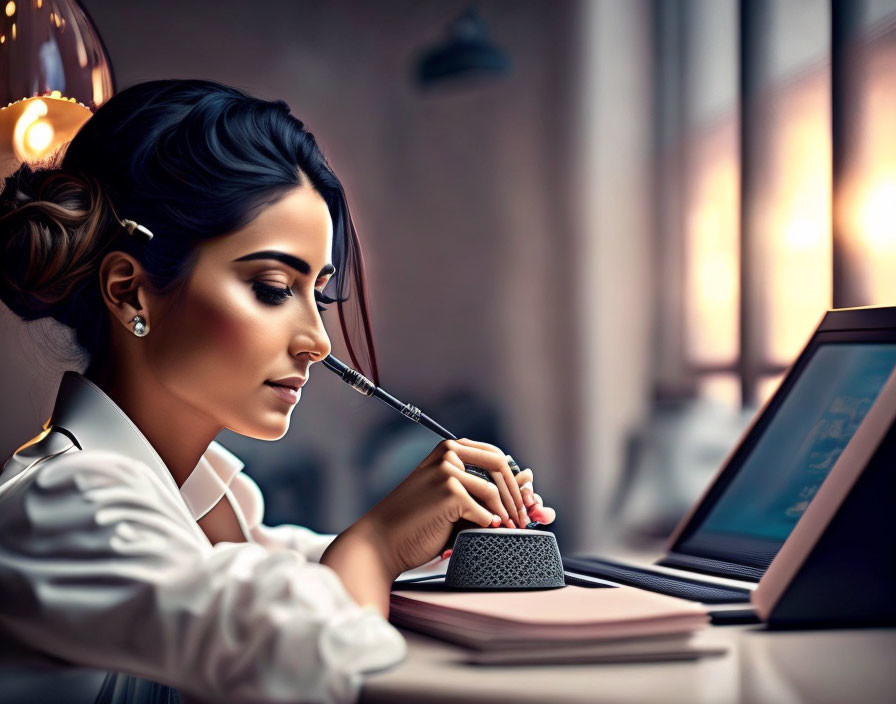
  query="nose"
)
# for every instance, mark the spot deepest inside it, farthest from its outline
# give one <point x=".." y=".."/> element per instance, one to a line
<point x="311" y="339"/>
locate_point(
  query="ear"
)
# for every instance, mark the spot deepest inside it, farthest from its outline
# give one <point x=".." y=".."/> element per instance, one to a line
<point x="123" y="283"/>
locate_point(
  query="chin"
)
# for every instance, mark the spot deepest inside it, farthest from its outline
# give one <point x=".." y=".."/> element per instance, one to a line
<point x="262" y="431"/>
<point x="272" y="433"/>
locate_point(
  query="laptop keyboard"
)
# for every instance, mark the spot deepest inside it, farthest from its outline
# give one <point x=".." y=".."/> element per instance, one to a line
<point x="650" y="580"/>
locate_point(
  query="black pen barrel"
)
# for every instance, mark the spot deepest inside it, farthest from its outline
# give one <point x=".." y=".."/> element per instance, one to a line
<point x="412" y="413"/>
<point x="428" y="422"/>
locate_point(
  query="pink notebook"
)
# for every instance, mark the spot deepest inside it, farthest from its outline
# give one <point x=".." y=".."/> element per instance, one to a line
<point x="570" y="615"/>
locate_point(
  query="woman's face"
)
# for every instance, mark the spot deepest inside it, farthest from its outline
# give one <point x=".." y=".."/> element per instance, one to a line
<point x="248" y="317"/>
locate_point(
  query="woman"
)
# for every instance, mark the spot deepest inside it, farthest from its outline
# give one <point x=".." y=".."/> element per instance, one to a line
<point x="187" y="239"/>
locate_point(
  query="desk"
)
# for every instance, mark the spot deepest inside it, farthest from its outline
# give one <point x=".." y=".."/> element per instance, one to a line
<point x="760" y="666"/>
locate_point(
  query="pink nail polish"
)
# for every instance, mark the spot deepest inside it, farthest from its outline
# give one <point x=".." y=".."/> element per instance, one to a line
<point x="446" y="554"/>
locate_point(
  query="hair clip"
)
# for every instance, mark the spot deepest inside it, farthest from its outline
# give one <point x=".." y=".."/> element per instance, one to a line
<point x="133" y="227"/>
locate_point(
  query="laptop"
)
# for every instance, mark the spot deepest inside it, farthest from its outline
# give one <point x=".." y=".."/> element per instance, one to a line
<point x="726" y="541"/>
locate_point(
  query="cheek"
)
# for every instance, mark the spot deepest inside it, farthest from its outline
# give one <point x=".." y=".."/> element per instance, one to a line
<point x="212" y="339"/>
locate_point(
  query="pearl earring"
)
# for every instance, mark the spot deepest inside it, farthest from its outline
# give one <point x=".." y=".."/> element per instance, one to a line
<point x="140" y="328"/>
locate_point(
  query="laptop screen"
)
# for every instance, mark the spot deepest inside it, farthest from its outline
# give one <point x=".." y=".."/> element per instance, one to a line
<point x="767" y="485"/>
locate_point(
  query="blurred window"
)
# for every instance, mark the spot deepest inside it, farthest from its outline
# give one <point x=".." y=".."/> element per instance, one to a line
<point x="745" y="182"/>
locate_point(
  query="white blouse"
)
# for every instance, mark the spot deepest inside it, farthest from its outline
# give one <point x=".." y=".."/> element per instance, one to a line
<point x="103" y="565"/>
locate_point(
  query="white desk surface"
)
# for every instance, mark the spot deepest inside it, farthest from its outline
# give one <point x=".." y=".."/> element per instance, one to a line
<point x="760" y="666"/>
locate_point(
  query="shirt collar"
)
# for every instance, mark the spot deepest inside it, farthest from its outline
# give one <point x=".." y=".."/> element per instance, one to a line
<point x="85" y="413"/>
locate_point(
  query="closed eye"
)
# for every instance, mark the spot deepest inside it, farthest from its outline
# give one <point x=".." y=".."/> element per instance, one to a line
<point x="271" y="295"/>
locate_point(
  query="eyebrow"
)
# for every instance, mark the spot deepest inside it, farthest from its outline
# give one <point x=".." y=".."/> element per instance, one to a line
<point x="299" y="265"/>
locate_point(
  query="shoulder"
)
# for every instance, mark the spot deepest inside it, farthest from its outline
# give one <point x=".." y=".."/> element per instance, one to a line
<point x="90" y="470"/>
<point x="94" y="504"/>
<point x="52" y="458"/>
<point x="48" y="443"/>
<point x="51" y="477"/>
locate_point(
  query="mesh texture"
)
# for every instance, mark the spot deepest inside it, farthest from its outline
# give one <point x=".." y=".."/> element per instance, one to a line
<point x="489" y="560"/>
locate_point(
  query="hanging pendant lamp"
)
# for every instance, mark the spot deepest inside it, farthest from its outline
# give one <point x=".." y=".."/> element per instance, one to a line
<point x="54" y="72"/>
<point x="466" y="54"/>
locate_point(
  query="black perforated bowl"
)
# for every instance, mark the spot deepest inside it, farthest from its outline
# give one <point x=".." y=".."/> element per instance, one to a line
<point x="505" y="559"/>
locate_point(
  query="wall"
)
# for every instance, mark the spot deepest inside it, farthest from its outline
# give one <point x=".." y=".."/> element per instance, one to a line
<point x="615" y="274"/>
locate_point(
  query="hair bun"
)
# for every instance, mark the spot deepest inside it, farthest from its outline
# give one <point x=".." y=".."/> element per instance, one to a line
<point x="50" y="228"/>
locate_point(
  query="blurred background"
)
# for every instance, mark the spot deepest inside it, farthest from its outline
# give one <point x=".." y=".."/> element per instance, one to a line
<point x="597" y="231"/>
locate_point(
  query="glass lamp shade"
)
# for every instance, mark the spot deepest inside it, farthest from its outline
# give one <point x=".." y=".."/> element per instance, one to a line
<point x="54" y="71"/>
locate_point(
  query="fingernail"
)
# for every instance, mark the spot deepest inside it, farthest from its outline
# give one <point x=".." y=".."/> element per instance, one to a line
<point x="496" y="520"/>
<point x="524" y="517"/>
<point x="528" y="499"/>
<point x="446" y="554"/>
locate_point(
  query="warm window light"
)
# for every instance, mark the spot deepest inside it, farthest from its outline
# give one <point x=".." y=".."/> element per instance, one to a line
<point x="790" y="232"/>
<point x="796" y="222"/>
<point x="877" y="217"/>
<point x="712" y="281"/>
<point x="867" y="193"/>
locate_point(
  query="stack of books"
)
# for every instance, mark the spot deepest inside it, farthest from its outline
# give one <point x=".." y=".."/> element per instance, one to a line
<point x="566" y="625"/>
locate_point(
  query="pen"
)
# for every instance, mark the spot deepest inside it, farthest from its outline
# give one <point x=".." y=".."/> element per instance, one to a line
<point x="363" y="385"/>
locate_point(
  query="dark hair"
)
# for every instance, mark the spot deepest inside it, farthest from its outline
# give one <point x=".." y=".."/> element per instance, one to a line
<point x="189" y="160"/>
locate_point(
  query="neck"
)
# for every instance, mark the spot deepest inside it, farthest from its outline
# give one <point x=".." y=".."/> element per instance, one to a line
<point x="177" y="432"/>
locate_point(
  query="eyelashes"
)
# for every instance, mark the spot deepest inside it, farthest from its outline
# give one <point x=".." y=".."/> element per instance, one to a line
<point x="275" y="295"/>
<point x="271" y="295"/>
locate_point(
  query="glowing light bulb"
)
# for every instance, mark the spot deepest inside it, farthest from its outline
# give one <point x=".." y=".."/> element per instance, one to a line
<point x="33" y="133"/>
<point x="39" y="135"/>
<point x="10" y="8"/>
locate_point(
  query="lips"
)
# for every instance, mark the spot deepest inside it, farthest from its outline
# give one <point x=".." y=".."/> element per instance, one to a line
<point x="291" y="382"/>
<point x="287" y="389"/>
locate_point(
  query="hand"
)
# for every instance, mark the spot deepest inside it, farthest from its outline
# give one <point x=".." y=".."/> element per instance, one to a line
<point x="534" y="508"/>
<point x="417" y="518"/>
<point x="414" y="522"/>
<point x="534" y="504"/>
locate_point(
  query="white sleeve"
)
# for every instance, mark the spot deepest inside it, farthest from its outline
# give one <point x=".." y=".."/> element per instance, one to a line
<point x="99" y="569"/>
<point x="247" y="494"/>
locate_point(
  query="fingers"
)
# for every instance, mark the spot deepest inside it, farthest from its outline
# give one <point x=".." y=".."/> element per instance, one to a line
<point x="542" y="514"/>
<point x="470" y="509"/>
<point x="486" y="492"/>
<point x="494" y="461"/>
<point x="516" y="496"/>
<point x="534" y="503"/>
<point x="537" y="511"/>
<point x="528" y="495"/>
<point x="524" y="477"/>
